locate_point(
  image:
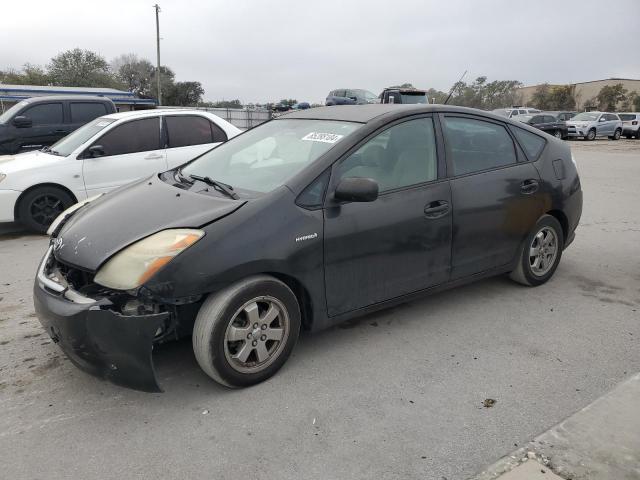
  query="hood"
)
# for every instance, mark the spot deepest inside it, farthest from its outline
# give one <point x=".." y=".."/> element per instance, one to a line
<point x="105" y="226"/>
<point x="26" y="161"/>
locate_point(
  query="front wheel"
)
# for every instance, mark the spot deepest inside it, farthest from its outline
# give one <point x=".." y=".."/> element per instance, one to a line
<point x="245" y="333"/>
<point x="38" y="208"/>
<point x="591" y="135"/>
<point x="540" y="253"/>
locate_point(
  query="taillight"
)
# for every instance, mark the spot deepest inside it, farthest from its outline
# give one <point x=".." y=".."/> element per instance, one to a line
<point x="635" y="122"/>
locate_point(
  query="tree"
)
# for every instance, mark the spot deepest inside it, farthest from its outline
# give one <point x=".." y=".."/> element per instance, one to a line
<point x="541" y="97"/>
<point x="81" y="68"/>
<point x="631" y="102"/>
<point x="29" y="75"/>
<point x="136" y="73"/>
<point x="557" y="97"/>
<point x="222" y="104"/>
<point x="436" y="96"/>
<point x="183" y="94"/>
<point x="610" y="95"/>
<point x="166" y="82"/>
<point x="480" y="94"/>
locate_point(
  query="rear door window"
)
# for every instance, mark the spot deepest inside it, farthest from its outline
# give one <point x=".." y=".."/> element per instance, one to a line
<point x="186" y="130"/>
<point x="44" y="114"/>
<point x="136" y="136"/>
<point x="84" y="112"/>
<point x="549" y="119"/>
<point x="475" y="145"/>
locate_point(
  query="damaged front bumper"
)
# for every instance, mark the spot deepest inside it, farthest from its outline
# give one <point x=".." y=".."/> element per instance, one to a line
<point x="97" y="338"/>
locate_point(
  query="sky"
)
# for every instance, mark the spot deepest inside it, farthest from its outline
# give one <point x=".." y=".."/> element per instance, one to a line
<point x="265" y="50"/>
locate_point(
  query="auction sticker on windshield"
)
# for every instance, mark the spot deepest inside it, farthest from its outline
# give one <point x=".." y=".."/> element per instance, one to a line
<point x="322" y="137"/>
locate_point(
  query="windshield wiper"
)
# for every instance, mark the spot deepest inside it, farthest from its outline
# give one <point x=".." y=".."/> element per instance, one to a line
<point x="48" y="150"/>
<point x="222" y="187"/>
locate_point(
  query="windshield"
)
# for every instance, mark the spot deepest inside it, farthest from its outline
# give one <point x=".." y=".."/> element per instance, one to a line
<point x="366" y="94"/>
<point x="589" y="116"/>
<point x="6" y="116"/>
<point x="414" y="97"/>
<point x="265" y="157"/>
<point x="627" y="116"/>
<point x="71" y="142"/>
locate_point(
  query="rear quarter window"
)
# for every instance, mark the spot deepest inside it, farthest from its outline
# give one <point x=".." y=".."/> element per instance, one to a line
<point x="84" y="112"/>
<point x="531" y="143"/>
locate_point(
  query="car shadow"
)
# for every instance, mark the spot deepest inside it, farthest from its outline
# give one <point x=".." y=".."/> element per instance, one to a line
<point x="178" y="372"/>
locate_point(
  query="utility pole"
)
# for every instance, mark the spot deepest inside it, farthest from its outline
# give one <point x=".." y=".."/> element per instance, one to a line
<point x="158" y="73"/>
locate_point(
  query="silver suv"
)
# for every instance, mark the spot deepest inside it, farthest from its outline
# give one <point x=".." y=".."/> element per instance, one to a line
<point x="590" y="125"/>
<point x="630" y="124"/>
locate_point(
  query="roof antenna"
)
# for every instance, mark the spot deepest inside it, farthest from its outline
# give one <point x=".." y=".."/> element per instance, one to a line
<point x="454" y="86"/>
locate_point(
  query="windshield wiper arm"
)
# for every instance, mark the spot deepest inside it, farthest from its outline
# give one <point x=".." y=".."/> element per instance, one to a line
<point x="222" y="187"/>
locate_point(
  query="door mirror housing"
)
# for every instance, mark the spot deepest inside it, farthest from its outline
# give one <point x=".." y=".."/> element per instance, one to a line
<point x="22" y="122"/>
<point x="357" y="189"/>
<point x="95" y="151"/>
<point x="602" y="119"/>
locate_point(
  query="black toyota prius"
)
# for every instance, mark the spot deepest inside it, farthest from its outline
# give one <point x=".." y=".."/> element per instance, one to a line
<point x="301" y="223"/>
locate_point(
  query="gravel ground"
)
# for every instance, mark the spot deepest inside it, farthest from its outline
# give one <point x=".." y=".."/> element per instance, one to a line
<point x="398" y="394"/>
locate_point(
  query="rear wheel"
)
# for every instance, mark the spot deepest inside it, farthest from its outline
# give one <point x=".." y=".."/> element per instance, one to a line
<point x="244" y="333"/>
<point x="558" y="134"/>
<point x="638" y="133"/>
<point x="591" y="135"/>
<point x="38" y="208"/>
<point x="540" y="253"/>
<point x="616" y="135"/>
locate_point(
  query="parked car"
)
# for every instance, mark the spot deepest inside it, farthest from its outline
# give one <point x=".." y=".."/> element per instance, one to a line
<point x="590" y="125"/>
<point x="630" y="124"/>
<point x="353" y="96"/>
<point x="301" y="106"/>
<point x="41" y="121"/>
<point x="562" y="115"/>
<point x="110" y="151"/>
<point x="515" y="111"/>
<point x="403" y="95"/>
<point x="313" y="218"/>
<point x="281" y="107"/>
<point x="545" y="122"/>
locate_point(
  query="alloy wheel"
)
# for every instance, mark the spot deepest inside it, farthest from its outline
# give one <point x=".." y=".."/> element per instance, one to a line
<point x="543" y="251"/>
<point x="45" y="208"/>
<point x="256" y="334"/>
<point x="558" y="134"/>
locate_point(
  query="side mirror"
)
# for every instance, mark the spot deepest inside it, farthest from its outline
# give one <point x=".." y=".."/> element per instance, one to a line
<point x="95" y="151"/>
<point x="602" y="119"/>
<point x="355" y="99"/>
<point x="356" y="189"/>
<point x="22" y="122"/>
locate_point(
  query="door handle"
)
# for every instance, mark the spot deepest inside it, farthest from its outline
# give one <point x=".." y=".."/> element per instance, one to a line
<point x="436" y="209"/>
<point x="529" y="186"/>
<point x="153" y="156"/>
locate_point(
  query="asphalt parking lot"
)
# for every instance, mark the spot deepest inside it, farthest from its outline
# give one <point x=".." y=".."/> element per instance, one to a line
<point x="397" y="394"/>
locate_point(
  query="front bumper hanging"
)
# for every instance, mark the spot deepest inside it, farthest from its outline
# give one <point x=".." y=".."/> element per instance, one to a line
<point x="96" y="338"/>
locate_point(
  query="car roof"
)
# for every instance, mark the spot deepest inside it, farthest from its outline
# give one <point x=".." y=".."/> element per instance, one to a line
<point x="75" y="98"/>
<point x="151" y="112"/>
<point x="366" y="113"/>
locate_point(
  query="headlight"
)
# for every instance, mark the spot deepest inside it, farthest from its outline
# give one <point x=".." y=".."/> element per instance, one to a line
<point x="69" y="211"/>
<point x="138" y="262"/>
<point x="2" y="176"/>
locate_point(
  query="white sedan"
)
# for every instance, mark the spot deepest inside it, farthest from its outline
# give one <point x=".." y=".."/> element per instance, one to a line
<point x="110" y="151"/>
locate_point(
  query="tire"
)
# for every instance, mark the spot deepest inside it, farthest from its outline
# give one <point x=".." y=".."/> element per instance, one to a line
<point x="39" y="207"/>
<point x="558" y="134"/>
<point x="616" y="135"/>
<point x="591" y="135"/>
<point x="638" y="134"/>
<point x="526" y="273"/>
<point x="226" y="315"/>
